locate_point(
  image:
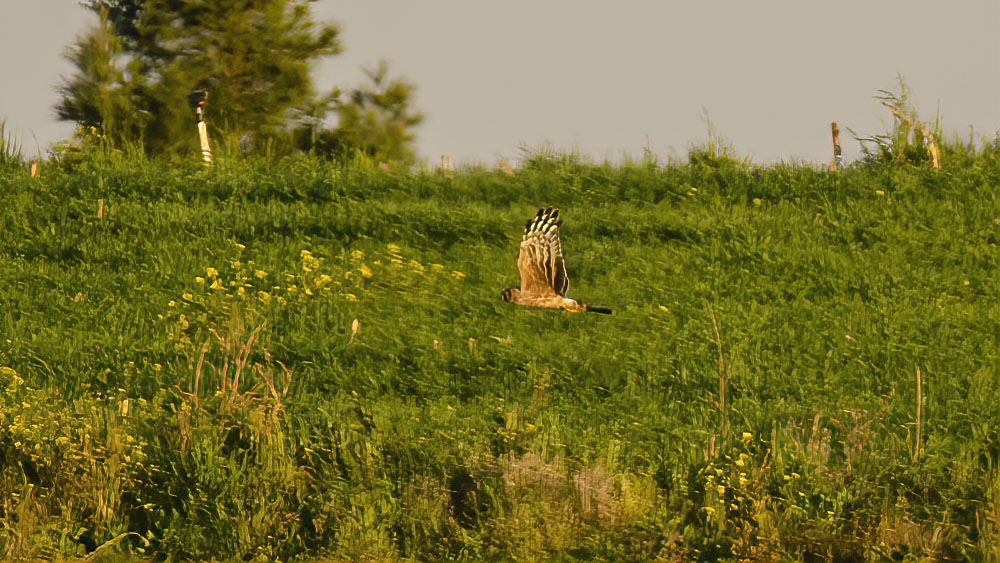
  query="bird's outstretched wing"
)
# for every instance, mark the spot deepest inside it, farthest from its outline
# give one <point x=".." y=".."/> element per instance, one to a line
<point x="543" y="271"/>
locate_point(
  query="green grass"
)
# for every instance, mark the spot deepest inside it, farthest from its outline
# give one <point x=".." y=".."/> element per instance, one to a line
<point x="753" y="396"/>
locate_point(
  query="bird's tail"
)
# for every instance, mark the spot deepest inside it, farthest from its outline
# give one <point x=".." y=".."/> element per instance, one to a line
<point x="597" y="309"/>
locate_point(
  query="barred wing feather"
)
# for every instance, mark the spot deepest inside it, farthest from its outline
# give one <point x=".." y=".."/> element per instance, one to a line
<point x="543" y="270"/>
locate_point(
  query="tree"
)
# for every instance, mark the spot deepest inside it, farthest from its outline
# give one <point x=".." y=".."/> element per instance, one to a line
<point x="99" y="93"/>
<point x="375" y="118"/>
<point x="135" y="69"/>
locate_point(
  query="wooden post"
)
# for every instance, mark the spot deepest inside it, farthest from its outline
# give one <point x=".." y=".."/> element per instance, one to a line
<point x="838" y="160"/>
<point x="34" y="169"/>
<point x="445" y="162"/>
<point x="920" y="396"/>
<point x="197" y="102"/>
<point x="206" y="151"/>
<point x="932" y="148"/>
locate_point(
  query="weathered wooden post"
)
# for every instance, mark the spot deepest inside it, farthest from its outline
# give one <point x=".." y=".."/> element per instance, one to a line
<point x="197" y="102"/>
<point x="932" y="148"/>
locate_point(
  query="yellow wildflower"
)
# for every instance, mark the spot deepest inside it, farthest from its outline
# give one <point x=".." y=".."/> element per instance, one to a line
<point x="365" y="271"/>
<point x="186" y="297"/>
<point x="200" y="280"/>
<point x="264" y="296"/>
<point x="721" y="489"/>
<point x="216" y="285"/>
<point x="357" y="254"/>
<point x="211" y="272"/>
<point x="309" y="262"/>
<point x="458" y="275"/>
<point x="11" y="379"/>
<point x="261" y="274"/>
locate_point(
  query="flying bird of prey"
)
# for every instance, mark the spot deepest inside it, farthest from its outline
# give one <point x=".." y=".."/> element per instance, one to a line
<point x="543" y="272"/>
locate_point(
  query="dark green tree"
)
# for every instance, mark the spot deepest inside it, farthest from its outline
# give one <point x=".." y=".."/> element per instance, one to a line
<point x="99" y="93"/>
<point x="135" y="69"/>
<point x="376" y="118"/>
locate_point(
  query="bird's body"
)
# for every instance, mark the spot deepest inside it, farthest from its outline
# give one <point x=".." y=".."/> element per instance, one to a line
<point x="514" y="295"/>
<point x="543" y="271"/>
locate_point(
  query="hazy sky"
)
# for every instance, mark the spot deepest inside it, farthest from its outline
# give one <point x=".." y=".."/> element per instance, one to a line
<point x="607" y="78"/>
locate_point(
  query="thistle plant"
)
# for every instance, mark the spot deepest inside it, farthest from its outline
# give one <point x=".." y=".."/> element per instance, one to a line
<point x="910" y="140"/>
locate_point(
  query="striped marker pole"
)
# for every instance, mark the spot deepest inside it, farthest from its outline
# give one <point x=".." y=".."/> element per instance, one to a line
<point x="197" y="101"/>
<point x="838" y="159"/>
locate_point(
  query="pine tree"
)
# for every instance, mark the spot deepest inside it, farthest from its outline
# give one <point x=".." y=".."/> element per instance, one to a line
<point x="375" y="118"/>
<point x="99" y="95"/>
<point x="135" y="69"/>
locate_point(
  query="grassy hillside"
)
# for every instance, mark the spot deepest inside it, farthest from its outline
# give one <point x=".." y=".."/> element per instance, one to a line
<point x="303" y="359"/>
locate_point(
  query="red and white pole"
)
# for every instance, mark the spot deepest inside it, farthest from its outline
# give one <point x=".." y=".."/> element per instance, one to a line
<point x="197" y="101"/>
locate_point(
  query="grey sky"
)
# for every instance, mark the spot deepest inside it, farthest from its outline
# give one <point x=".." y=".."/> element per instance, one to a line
<point x="608" y="78"/>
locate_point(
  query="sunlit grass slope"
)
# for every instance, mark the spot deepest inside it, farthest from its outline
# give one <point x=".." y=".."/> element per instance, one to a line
<point x="305" y="359"/>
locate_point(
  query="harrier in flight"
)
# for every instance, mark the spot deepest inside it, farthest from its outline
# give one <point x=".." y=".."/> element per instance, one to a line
<point x="543" y="272"/>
